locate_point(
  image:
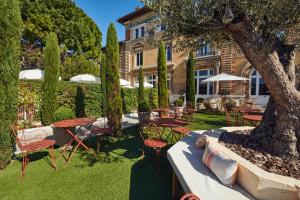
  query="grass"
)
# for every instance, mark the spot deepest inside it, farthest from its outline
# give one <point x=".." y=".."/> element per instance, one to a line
<point x="116" y="173"/>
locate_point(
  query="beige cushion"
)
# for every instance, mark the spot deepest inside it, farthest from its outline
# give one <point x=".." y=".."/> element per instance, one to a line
<point x="201" y="141"/>
<point x="220" y="164"/>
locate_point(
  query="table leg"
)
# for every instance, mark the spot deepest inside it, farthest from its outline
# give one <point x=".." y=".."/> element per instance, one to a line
<point x="174" y="186"/>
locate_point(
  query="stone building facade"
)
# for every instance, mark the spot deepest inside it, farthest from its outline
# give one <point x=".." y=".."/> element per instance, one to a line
<point x="143" y="30"/>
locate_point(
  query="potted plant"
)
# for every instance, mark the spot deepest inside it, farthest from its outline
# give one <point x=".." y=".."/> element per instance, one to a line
<point x="229" y="104"/>
<point x="178" y="109"/>
<point x="200" y="103"/>
<point x="144" y="112"/>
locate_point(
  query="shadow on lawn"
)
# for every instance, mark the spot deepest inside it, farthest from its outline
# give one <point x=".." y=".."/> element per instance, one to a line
<point x="145" y="180"/>
<point x="113" y="149"/>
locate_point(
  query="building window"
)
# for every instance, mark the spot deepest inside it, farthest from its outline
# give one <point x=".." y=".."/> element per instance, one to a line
<point x="142" y="31"/>
<point x="205" y="50"/>
<point x="139" y="32"/>
<point x="152" y="79"/>
<point x="139" y="59"/>
<point x="169" y="81"/>
<point x="169" y="53"/>
<point x="203" y="88"/>
<point x="257" y="84"/>
<point x="160" y="28"/>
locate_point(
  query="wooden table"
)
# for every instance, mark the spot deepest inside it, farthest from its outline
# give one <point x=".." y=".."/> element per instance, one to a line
<point x="68" y="125"/>
<point x="253" y="119"/>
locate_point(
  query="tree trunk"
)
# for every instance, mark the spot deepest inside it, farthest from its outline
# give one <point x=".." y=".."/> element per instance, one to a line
<point x="279" y="131"/>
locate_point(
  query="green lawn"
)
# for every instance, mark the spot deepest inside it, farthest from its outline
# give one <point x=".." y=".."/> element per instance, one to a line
<point x="116" y="174"/>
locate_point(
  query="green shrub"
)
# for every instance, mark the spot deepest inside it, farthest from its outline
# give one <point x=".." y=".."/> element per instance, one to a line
<point x="103" y="84"/>
<point x="141" y="89"/>
<point x="92" y="97"/>
<point x="114" y="99"/>
<point x="179" y="102"/>
<point x="144" y="106"/>
<point x="10" y="34"/>
<point x="163" y="97"/>
<point x="129" y="100"/>
<point x="50" y="88"/>
<point x="63" y="113"/>
<point x="153" y="98"/>
<point x="78" y="64"/>
<point x="190" y="80"/>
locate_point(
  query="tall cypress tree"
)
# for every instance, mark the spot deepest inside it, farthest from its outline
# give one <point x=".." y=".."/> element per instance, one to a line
<point x="51" y="80"/>
<point x="141" y="90"/>
<point x="10" y="34"/>
<point x="114" y="99"/>
<point x="162" y="76"/>
<point x="190" y="80"/>
<point x="103" y="84"/>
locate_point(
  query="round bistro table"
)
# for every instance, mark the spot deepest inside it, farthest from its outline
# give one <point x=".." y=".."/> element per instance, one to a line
<point x="253" y="119"/>
<point x="69" y="124"/>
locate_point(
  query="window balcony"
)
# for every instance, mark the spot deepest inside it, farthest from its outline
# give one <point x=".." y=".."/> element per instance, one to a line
<point x="204" y="54"/>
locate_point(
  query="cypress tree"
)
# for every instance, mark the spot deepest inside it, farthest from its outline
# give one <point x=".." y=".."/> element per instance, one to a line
<point x="114" y="99"/>
<point x="51" y="80"/>
<point x="103" y="84"/>
<point x="162" y="76"/>
<point x="190" y="80"/>
<point x="141" y="90"/>
<point x="10" y="34"/>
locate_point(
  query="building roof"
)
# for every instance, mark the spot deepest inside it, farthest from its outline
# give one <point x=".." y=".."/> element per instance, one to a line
<point x="138" y="12"/>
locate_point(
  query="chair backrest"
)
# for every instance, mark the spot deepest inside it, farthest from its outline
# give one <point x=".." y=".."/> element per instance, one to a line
<point x="15" y="131"/>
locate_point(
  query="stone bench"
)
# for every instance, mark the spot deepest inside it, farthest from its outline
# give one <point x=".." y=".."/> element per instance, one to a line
<point x="195" y="177"/>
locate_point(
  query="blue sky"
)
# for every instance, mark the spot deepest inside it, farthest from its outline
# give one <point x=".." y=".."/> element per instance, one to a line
<point x="105" y="11"/>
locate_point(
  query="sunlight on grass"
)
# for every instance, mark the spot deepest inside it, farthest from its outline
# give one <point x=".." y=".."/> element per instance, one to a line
<point x="116" y="173"/>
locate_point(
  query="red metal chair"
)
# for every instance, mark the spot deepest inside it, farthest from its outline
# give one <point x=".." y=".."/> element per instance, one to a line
<point x="189" y="196"/>
<point x="100" y="132"/>
<point x="28" y="146"/>
<point x="153" y="141"/>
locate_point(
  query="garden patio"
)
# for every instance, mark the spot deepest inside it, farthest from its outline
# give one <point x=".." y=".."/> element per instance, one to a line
<point x="168" y="113"/>
<point x="116" y="173"/>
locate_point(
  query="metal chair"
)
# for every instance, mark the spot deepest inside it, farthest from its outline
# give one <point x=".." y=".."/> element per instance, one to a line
<point x="155" y="143"/>
<point x="100" y="132"/>
<point x="28" y="146"/>
<point x="189" y="196"/>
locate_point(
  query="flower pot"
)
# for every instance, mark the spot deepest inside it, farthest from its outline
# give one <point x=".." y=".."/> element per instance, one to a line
<point x="178" y="111"/>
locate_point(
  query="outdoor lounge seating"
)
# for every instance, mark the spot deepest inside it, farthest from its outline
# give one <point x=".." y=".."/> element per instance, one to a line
<point x="195" y="177"/>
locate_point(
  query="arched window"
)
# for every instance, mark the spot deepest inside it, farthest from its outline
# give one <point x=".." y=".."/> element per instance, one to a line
<point x="257" y="85"/>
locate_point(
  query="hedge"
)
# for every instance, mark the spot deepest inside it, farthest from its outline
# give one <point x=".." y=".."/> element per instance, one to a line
<point x="82" y="98"/>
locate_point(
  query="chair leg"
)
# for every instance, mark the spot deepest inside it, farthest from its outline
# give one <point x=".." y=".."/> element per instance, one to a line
<point x="71" y="154"/>
<point x="25" y="161"/>
<point x="53" y="162"/>
<point x="98" y="145"/>
<point x="158" y="158"/>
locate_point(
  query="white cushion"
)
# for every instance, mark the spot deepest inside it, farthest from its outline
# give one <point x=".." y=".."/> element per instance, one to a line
<point x="220" y="164"/>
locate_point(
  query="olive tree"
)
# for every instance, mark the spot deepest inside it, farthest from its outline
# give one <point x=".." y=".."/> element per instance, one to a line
<point x="266" y="32"/>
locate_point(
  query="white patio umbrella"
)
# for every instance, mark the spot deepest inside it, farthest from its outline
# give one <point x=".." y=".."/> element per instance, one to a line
<point x="127" y="86"/>
<point x="146" y="85"/>
<point x="34" y="74"/>
<point x="224" y="77"/>
<point x="85" y="78"/>
<point x="124" y="82"/>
